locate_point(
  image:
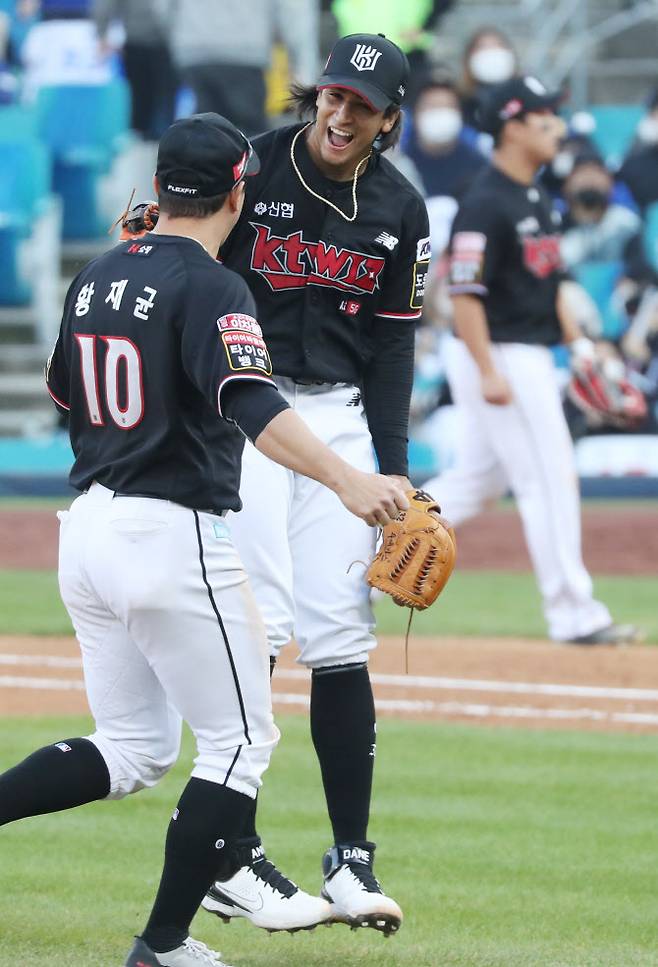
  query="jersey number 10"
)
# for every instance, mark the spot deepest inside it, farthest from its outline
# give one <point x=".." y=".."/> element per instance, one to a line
<point x="122" y="358"/>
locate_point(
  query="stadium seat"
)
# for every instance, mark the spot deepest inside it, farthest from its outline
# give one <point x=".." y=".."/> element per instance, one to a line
<point x="599" y="279"/>
<point x="615" y="129"/>
<point x="84" y="127"/>
<point x="650" y="235"/>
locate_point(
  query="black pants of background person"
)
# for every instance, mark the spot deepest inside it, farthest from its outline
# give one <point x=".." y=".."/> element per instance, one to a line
<point x="153" y="84"/>
<point x="236" y="91"/>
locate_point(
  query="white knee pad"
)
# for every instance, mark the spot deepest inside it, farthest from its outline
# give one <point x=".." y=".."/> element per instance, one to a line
<point x="135" y="763"/>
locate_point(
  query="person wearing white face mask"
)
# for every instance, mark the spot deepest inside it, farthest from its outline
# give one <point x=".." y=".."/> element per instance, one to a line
<point x="445" y="163"/>
<point x="639" y="171"/>
<point x="488" y="59"/>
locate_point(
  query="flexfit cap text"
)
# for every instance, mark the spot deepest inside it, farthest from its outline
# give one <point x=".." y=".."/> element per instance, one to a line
<point x="202" y="156"/>
<point x="371" y="66"/>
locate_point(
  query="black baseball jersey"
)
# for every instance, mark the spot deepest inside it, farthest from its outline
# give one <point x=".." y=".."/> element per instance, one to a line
<point x="152" y="334"/>
<point x="505" y="248"/>
<point x="337" y="300"/>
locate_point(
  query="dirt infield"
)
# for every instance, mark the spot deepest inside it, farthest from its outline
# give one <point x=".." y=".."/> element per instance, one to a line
<point x="504" y="682"/>
<point x="615" y="541"/>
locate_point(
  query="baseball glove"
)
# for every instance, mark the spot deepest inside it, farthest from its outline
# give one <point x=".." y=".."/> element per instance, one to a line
<point x="416" y="556"/>
<point x="601" y="389"/>
<point x="138" y="220"/>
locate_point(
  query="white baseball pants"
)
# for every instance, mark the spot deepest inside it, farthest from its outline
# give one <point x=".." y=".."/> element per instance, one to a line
<point x="524" y="447"/>
<point x="169" y="630"/>
<point x="305" y="554"/>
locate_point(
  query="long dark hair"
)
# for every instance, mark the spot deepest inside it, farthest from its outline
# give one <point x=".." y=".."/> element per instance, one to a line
<point x="302" y="99"/>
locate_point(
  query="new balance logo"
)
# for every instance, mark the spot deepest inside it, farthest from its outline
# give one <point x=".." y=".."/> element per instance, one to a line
<point x="365" y="57"/>
<point x="354" y="400"/>
<point x="388" y="241"/>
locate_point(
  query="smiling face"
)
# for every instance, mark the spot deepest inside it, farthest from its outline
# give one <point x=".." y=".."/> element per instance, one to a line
<point x="344" y="130"/>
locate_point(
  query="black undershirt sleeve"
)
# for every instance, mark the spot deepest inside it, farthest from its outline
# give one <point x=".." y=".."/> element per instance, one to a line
<point x="252" y="404"/>
<point x="387" y="385"/>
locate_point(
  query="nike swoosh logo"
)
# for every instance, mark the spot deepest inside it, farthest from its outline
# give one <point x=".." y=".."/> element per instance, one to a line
<point x="251" y="906"/>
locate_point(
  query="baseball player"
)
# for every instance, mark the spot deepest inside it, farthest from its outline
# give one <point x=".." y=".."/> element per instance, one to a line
<point x="333" y="243"/>
<point x="161" y="363"/>
<point x="508" y="310"/>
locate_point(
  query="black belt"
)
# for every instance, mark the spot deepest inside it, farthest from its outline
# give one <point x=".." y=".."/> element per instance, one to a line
<point x="201" y="510"/>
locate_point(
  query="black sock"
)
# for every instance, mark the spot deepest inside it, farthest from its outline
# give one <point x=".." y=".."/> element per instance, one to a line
<point x="249" y="833"/>
<point x="343" y="730"/>
<point x="199" y="847"/>
<point x="59" y="776"/>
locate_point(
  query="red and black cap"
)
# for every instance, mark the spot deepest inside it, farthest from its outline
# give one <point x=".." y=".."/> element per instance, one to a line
<point x="202" y="156"/>
<point x="512" y="100"/>
<point x="371" y="66"/>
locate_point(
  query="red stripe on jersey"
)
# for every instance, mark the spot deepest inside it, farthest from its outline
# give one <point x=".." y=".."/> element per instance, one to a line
<point x="59" y="402"/>
<point x="399" y="315"/>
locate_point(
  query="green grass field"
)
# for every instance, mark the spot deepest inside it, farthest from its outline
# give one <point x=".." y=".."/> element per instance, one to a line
<point x="504" y="848"/>
<point x="474" y="603"/>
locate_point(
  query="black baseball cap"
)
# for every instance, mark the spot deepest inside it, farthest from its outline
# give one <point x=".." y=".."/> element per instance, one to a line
<point x="202" y="156"/>
<point x="371" y="66"/>
<point x="511" y="100"/>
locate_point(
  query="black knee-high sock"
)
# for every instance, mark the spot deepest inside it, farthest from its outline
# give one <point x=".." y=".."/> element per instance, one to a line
<point x="249" y="833"/>
<point x="59" y="776"/>
<point x="343" y="731"/>
<point x="200" y="842"/>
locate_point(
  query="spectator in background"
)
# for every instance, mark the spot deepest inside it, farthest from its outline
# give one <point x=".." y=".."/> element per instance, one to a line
<point x="489" y="59"/>
<point x="639" y="171"/>
<point x="445" y="163"/>
<point x="222" y="50"/>
<point x="146" y="59"/>
<point x="409" y="24"/>
<point x="595" y="229"/>
<point x="62" y="48"/>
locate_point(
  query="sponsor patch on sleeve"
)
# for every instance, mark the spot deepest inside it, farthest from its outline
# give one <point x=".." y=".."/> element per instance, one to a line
<point x="244" y="344"/>
<point x="423" y="250"/>
<point x="467" y="258"/>
<point x="418" y="284"/>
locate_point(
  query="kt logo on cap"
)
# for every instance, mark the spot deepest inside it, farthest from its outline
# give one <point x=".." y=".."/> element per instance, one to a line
<point x="365" y="58"/>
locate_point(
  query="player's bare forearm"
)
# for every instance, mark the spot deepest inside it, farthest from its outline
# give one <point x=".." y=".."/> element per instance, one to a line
<point x="287" y="440"/>
<point x="471" y="326"/>
<point x="571" y="329"/>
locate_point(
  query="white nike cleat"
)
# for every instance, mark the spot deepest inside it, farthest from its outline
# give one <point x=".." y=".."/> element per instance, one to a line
<point x="191" y="953"/>
<point x="260" y="893"/>
<point x="354" y="893"/>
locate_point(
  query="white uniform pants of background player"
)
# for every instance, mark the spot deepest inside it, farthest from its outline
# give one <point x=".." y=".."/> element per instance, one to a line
<point x="524" y="447"/>
<point x="297" y="540"/>
<point x="169" y="630"/>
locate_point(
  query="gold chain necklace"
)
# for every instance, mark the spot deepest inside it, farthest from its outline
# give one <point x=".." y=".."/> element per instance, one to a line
<point x="348" y="218"/>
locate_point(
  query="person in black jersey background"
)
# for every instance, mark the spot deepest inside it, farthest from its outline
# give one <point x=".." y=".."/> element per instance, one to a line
<point x="509" y="309"/>
<point x="161" y="364"/>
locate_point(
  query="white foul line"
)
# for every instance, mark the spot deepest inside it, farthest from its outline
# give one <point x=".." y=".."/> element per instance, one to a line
<point x="414" y="706"/>
<point x="470" y="710"/>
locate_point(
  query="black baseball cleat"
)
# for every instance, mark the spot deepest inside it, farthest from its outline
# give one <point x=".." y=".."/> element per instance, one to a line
<point x="191" y="953"/>
<point x="610" y="635"/>
<point x="259" y="892"/>
<point x="354" y="892"/>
